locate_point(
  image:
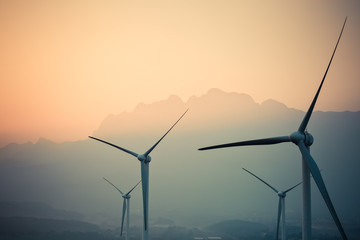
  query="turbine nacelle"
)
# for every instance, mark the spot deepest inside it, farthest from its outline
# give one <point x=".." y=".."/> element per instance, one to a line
<point x="309" y="139"/>
<point x="127" y="196"/>
<point x="305" y="137"/>
<point x="281" y="194"/>
<point x="144" y="158"/>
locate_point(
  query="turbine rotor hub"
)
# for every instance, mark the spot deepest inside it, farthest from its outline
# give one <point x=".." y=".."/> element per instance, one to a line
<point x="281" y="194"/>
<point x="144" y="158"/>
<point x="296" y="137"/>
<point x="305" y="137"/>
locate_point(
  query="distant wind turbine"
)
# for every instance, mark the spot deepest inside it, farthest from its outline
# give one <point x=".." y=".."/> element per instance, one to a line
<point x="126" y="207"/>
<point x="303" y="140"/>
<point x="144" y="162"/>
<point x="281" y="208"/>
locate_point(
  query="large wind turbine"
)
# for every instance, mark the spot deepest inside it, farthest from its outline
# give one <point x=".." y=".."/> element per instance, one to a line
<point x="281" y="208"/>
<point x="303" y="140"/>
<point x="126" y="207"/>
<point x="144" y="162"/>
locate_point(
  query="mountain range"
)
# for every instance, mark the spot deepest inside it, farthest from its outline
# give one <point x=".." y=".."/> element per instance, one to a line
<point x="188" y="186"/>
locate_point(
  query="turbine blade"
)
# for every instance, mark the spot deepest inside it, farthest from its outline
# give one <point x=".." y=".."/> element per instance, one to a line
<point x="152" y="148"/>
<point x="276" y="191"/>
<point x="114" y="186"/>
<point x="264" y="141"/>
<point x="113" y="145"/>
<point x="315" y="172"/>
<point x="132" y="188"/>
<point x="278" y="219"/>
<point x="292" y="187"/>
<point x="306" y="119"/>
<point x="123" y="216"/>
<point x="145" y="190"/>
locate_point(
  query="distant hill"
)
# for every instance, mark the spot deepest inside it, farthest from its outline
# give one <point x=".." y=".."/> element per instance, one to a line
<point x="188" y="186"/>
<point x="35" y="209"/>
<point x="211" y="110"/>
<point x="30" y="224"/>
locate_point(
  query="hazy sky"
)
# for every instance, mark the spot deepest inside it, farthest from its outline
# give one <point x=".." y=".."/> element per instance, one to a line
<point x="66" y="65"/>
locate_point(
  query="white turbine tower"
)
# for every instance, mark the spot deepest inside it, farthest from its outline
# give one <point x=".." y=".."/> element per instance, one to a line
<point x="303" y="140"/>
<point x="281" y="208"/>
<point x="126" y="207"/>
<point x="144" y="162"/>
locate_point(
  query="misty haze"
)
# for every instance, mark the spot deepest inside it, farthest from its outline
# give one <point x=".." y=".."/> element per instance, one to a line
<point x="56" y="190"/>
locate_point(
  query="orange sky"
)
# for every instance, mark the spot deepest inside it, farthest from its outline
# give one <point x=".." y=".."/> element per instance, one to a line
<point x="66" y="65"/>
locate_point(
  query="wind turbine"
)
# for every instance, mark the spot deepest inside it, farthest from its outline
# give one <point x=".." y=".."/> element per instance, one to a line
<point x="281" y="208"/>
<point x="303" y="140"/>
<point x="126" y="207"/>
<point x="144" y="163"/>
